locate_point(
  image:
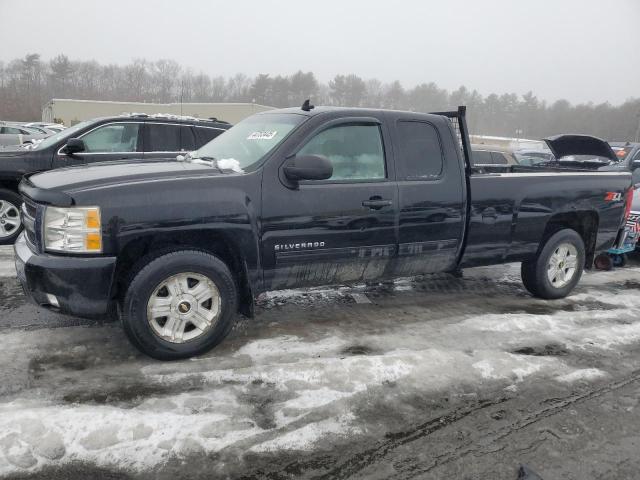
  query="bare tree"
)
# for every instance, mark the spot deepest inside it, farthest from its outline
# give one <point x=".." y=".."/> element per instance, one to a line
<point x="27" y="83"/>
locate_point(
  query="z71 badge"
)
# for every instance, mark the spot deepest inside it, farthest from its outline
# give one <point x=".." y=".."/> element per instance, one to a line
<point x="613" y="197"/>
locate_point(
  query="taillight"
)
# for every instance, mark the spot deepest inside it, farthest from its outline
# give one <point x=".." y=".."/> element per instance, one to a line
<point x="628" y="198"/>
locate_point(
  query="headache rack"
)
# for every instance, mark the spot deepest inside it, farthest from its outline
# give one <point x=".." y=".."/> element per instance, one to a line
<point x="458" y="119"/>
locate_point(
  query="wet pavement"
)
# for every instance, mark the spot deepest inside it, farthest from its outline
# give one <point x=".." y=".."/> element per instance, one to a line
<point x="433" y="377"/>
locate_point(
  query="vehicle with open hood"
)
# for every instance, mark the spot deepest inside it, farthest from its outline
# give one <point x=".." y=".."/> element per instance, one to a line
<point x="590" y="153"/>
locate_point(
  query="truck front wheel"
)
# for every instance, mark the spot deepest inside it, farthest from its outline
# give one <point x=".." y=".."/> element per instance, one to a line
<point x="179" y="305"/>
<point x="558" y="266"/>
<point x="10" y="224"/>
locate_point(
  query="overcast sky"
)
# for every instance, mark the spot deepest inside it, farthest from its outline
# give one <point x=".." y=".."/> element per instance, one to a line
<point x="581" y="50"/>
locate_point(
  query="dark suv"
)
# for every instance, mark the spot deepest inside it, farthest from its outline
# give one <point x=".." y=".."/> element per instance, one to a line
<point x="126" y="137"/>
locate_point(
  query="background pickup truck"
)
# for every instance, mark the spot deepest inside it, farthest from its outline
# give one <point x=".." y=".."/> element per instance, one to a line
<point x="299" y="197"/>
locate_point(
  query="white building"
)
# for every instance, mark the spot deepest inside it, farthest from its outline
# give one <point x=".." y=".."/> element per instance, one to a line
<point x="70" y="112"/>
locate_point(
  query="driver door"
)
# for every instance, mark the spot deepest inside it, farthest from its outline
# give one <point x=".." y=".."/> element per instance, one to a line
<point x="338" y="230"/>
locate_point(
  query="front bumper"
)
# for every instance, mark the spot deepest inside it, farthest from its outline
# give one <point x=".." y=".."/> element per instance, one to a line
<point x="81" y="286"/>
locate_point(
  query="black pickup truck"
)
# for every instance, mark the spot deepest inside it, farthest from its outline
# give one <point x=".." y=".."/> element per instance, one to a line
<point x="294" y="198"/>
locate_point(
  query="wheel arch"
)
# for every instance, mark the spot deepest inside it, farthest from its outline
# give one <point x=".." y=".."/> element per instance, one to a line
<point x="585" y="222"/>
<point x="10" y="184"/>
<point x="216" y="242"/>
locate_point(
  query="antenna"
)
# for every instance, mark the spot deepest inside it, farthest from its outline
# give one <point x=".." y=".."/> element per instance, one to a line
<point x="181" y="96"/>
<point x="306" y="106"/>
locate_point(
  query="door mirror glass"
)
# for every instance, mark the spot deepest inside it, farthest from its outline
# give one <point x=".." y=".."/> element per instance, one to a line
<point x="309" y="167"/>
<point x="635" y="164"/>
<point x="74" y="145"/>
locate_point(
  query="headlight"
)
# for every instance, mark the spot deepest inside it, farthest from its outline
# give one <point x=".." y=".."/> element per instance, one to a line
<point x="75" y="230"/>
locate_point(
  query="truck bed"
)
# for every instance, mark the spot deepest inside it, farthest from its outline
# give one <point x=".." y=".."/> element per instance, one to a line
<point x="509" y="212"/>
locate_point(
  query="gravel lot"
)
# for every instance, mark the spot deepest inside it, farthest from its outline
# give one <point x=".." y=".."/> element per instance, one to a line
<point x="423" y="378"/>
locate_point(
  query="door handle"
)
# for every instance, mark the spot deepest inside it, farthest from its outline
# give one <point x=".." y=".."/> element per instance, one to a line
<point x="377" y="203"/>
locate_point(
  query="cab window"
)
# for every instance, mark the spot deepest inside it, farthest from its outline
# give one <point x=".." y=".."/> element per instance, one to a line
<point x="355" y="151"/>
<point x="420" y="150"/>
<point x="112" y="138"/>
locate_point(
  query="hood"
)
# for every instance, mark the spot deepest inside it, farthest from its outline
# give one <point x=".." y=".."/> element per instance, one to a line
<point x="111" y="173"/>
<point x="565" y="145"/>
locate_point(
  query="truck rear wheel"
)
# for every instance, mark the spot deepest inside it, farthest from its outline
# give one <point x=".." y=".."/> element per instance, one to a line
<point x="557" y="267"/>
<point x="179" y="305"/>
<point x="10" y="223"/>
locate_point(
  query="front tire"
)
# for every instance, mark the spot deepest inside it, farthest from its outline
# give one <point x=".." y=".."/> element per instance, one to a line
<point x="179" y="305"/>
<point x="557" y="267"/>
<point x="10" y="223"/>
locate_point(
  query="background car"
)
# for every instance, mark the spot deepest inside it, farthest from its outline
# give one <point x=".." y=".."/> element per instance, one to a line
<point x="626" y="152"/>
<point x="124" y="137"/>
<point x="14" y="134"/>
<point x="492" y="158"/>
<point x="48" y="127"/>
<point x="532" y="157"/>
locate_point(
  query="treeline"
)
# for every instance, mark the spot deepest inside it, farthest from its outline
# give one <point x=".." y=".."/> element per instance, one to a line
<point x="26" y="84"/>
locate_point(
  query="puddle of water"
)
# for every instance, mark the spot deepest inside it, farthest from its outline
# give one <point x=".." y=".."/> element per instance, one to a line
<point x="551" y="349"/>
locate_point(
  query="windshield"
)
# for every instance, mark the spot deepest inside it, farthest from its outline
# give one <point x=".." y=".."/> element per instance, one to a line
<point x="251" y="140"/>
<point x="64" y="135"/>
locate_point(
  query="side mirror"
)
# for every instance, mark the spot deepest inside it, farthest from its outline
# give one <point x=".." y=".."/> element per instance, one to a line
<point x="74" y="145"/>
<point x="635" y="165"/>
<point x="309" y="167"/>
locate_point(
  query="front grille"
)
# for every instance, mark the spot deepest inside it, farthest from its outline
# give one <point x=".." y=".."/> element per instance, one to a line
<point x="30" y="209"/>
<point x="29" y="221"/>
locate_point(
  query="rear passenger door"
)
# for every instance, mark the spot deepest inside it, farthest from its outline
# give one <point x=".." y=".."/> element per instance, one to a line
<point x="167" y="140"/>
<point x="431" y="196"/>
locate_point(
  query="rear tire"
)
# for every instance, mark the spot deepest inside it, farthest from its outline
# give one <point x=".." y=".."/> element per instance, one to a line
<point x="176" y="284"/>
<point x="558" y="266"/>
<point x="10" y="224"/>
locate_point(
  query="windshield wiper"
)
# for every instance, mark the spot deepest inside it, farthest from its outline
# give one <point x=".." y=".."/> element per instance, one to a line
<point x="204" y="160"/>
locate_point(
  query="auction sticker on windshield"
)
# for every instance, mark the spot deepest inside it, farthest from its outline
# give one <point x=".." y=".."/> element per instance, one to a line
<point x="262" y="135"/>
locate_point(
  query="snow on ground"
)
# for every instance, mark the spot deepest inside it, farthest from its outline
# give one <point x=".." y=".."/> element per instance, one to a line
<point x="303" y="374"/>
<point x="7" y="267"/>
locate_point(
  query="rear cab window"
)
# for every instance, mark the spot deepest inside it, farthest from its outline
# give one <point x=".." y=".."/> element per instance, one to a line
<point x="420" y="151"/>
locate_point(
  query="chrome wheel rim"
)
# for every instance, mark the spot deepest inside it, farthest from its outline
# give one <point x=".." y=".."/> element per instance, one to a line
<point x="562" y="265"/>
<point x="184" y="307"/>
<point x="9" y="219"/>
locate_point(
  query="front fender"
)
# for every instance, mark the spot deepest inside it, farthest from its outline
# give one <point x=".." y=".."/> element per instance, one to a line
<point x="196" y="211"/>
